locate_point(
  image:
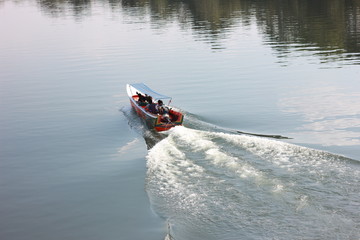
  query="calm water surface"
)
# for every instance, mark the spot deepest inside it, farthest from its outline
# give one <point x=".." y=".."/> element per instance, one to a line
<point x="77" y="163"/>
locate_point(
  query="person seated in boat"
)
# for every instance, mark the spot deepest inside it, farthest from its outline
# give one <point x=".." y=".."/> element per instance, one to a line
<point x="161" y="108"/>
<point x="142" y="99"/>
<point x="148" y="98"/>
<point x="163" y="111"/>
<point x="152" y="107"/>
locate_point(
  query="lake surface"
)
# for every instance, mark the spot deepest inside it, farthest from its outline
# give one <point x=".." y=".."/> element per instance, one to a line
<point x="77" y="163"/>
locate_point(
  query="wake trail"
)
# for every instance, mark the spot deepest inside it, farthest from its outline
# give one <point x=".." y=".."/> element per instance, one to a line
<point x="192" y="121"/>
<point x="223" y="181"/>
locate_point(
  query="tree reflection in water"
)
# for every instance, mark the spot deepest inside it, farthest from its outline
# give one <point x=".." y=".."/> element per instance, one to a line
<point x="328" y="28"/>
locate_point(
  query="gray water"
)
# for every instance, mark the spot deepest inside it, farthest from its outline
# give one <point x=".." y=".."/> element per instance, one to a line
<point x="77" y="163"/>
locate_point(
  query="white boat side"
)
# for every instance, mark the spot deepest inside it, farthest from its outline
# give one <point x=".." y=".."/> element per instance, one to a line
<point x="131" y="91"/>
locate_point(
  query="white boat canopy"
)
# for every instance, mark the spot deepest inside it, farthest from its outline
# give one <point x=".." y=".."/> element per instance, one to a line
<point x="142" y="88"/>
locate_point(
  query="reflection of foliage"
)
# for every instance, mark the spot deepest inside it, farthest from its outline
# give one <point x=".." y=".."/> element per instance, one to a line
<point x="58" y="8"/>
<point x="326" y="24"/>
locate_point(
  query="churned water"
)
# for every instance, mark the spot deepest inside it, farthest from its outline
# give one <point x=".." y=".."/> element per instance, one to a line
<point x="270" y="146"/>
<point x="213" y="185"/>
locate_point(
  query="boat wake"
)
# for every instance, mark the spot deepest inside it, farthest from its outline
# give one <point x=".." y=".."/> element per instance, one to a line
<point x="194" y="122"/>
<point x="213" y="184"/>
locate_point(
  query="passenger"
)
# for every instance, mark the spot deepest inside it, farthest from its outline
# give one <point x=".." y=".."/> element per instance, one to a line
<point x="151" y="107"/>
<point x="162" y="109"/>
<point x="142" y="99"/>
<point x="148" y="98"/>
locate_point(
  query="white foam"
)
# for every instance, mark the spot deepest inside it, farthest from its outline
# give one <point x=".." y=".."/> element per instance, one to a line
<point x="234" y="164"/>
<point x="279" y="153"/>
<point x="170" y="165"/>
<point x="128" y="146"/>
<point x="196" y="140"/>
<point x="278" y="188"/>
<point x="214" y="176"/>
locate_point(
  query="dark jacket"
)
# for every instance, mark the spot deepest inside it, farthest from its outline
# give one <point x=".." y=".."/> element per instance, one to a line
<point x="152" y="108"/>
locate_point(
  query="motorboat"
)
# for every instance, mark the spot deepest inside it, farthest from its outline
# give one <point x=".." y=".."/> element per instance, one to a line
<point x="143" y="100"/>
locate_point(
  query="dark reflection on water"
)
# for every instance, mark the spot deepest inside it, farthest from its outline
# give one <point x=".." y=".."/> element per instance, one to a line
<point x="58" y="8"/>
<point x="328" y="28"/>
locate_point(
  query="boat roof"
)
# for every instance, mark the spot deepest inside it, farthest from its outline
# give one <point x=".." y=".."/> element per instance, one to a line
<point x="141" y="87"/>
